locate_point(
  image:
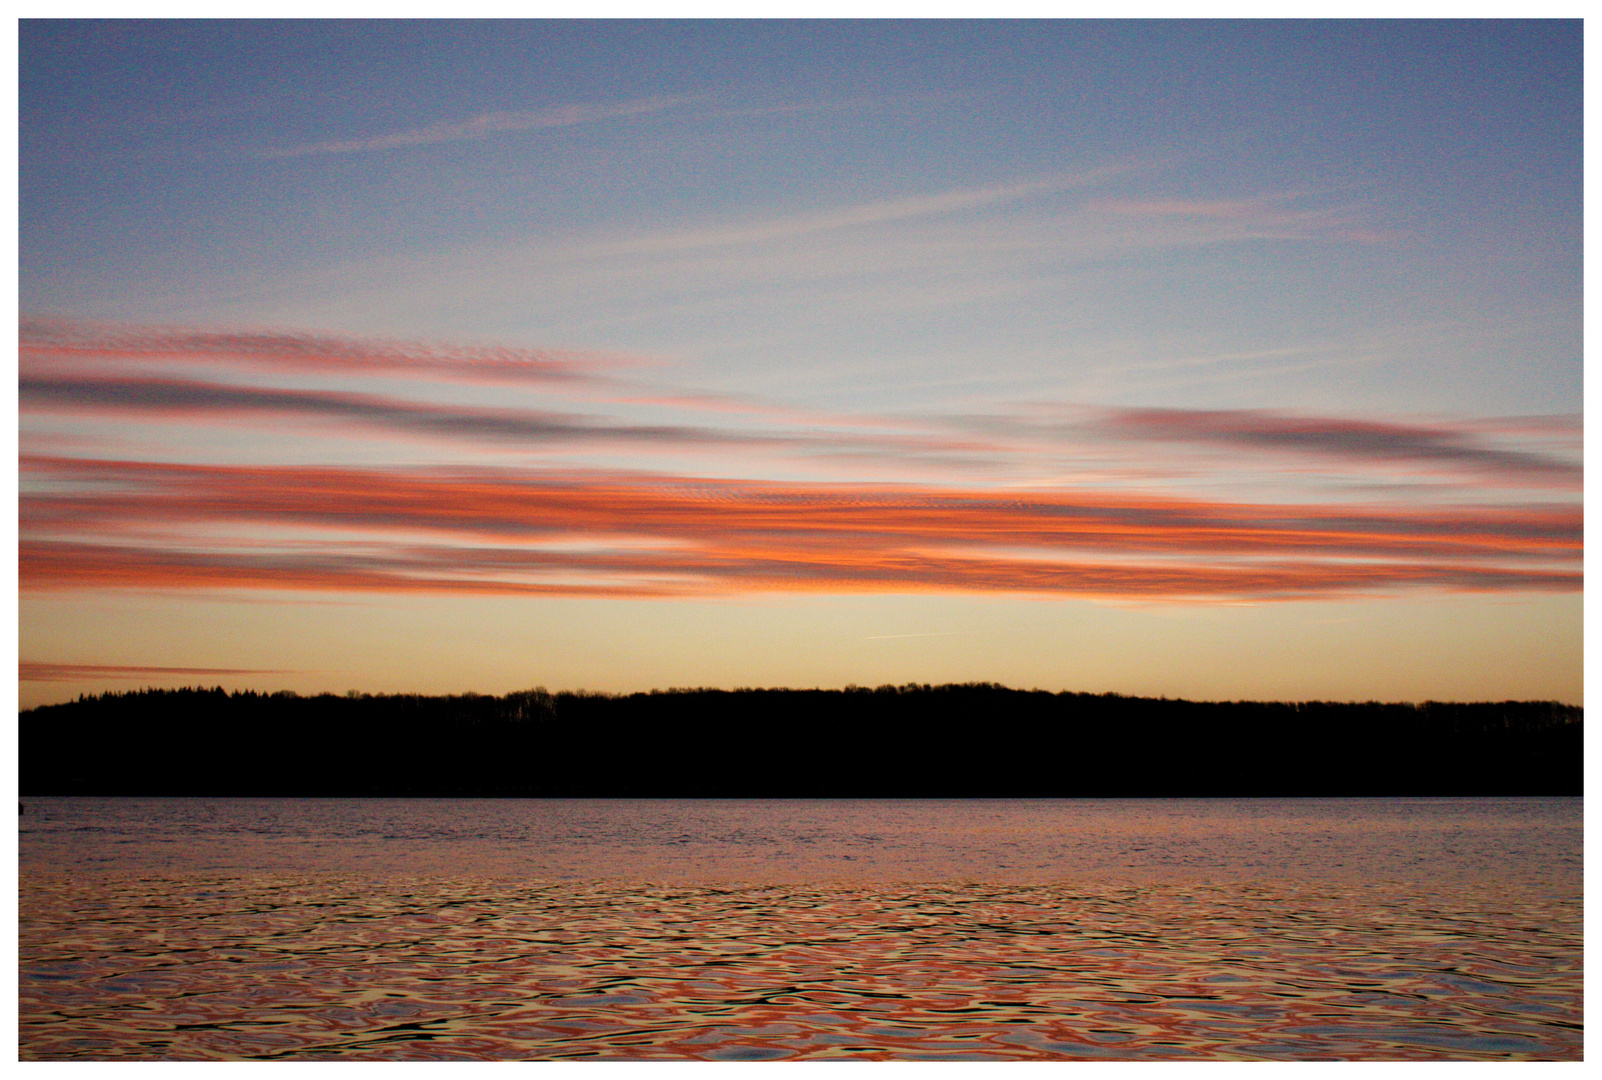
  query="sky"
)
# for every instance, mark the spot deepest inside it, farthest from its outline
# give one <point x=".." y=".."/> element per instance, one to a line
<point x="1218" y="360"/>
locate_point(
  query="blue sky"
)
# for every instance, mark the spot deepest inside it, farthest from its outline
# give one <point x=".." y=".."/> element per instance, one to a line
<point x="1327" y="271"/>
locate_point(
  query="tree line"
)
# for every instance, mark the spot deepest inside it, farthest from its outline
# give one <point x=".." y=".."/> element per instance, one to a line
<point x="969" y="740"/>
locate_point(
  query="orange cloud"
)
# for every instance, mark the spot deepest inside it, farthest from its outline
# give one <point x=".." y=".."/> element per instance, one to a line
<point x="147" y="525"/>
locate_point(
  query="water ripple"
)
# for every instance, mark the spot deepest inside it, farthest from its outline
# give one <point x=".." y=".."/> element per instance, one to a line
<point x="325" y="968"/>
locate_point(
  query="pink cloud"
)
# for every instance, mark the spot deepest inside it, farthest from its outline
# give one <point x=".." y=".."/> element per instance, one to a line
<point x="714" y="536"/>
<point x="53" y="341"/>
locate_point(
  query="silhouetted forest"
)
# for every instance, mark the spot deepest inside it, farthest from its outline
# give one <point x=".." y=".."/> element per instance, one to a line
<point x="969" y="740"/>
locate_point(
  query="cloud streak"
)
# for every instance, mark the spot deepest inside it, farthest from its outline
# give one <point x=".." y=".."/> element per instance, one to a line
<point x="848" y="218"/>
<point x="157" y="375"/>
<point x="158" y="398"/>
<point x="98" y="520"/>
<point x="1335" y="438"/>
<point x="50" y="671"/>
<point x="90" y="525"/>
<point x="1280" y="216"/>
<point x="481" y="127"/>
<point x="45" y="343"/>
<point x="59" y="566"/>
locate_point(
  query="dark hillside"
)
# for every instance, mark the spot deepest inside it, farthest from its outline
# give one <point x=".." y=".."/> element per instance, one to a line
<point x="958" y="740"/>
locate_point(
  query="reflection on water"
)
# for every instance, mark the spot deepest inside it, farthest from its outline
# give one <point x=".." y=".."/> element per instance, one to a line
<point x="799" y="840"/>
<point x="316" y="969"/>
<point x="1346" y="929"/>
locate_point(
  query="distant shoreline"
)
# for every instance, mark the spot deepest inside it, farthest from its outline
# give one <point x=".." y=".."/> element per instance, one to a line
<point x="973" y="740"/>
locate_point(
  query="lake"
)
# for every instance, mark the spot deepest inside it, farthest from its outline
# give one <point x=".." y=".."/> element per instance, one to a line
<point x="445" y="929"/>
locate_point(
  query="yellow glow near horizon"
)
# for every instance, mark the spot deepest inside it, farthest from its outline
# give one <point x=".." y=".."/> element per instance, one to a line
<point x="1440" y="648"/>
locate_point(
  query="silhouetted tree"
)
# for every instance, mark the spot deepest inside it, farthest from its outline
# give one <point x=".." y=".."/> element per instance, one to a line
<point x="971" y="740"/>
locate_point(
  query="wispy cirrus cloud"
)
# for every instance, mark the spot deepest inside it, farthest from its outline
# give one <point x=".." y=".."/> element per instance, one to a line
<point x="1335" y="438"/>
<point x="89" y="519"/>
<point x="43" y="342"/>
<point x="1215" y="208"/>
<point x="1279" y="216"/>
<point x="156" y="376"/>
<point x="52" y="671"/>
<point x="149" y="399"/>
<point x="482" y="126"/>
<point x="144" y="525"/>
<point x="158" y="397"/>
<point x="1529" y="453"/>
<point x="863" y="215"/>
<point x="1023" y="239"/>
<point x="450" y="571"/>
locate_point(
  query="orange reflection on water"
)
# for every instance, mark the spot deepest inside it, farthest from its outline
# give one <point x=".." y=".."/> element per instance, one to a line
<point x="339" y="969"/>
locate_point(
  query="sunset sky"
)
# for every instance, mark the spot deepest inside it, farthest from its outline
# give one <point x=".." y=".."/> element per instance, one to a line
<point x="1214" y="360"/>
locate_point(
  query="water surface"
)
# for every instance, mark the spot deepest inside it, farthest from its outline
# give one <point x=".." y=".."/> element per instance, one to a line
<point x="967" y="930"/>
